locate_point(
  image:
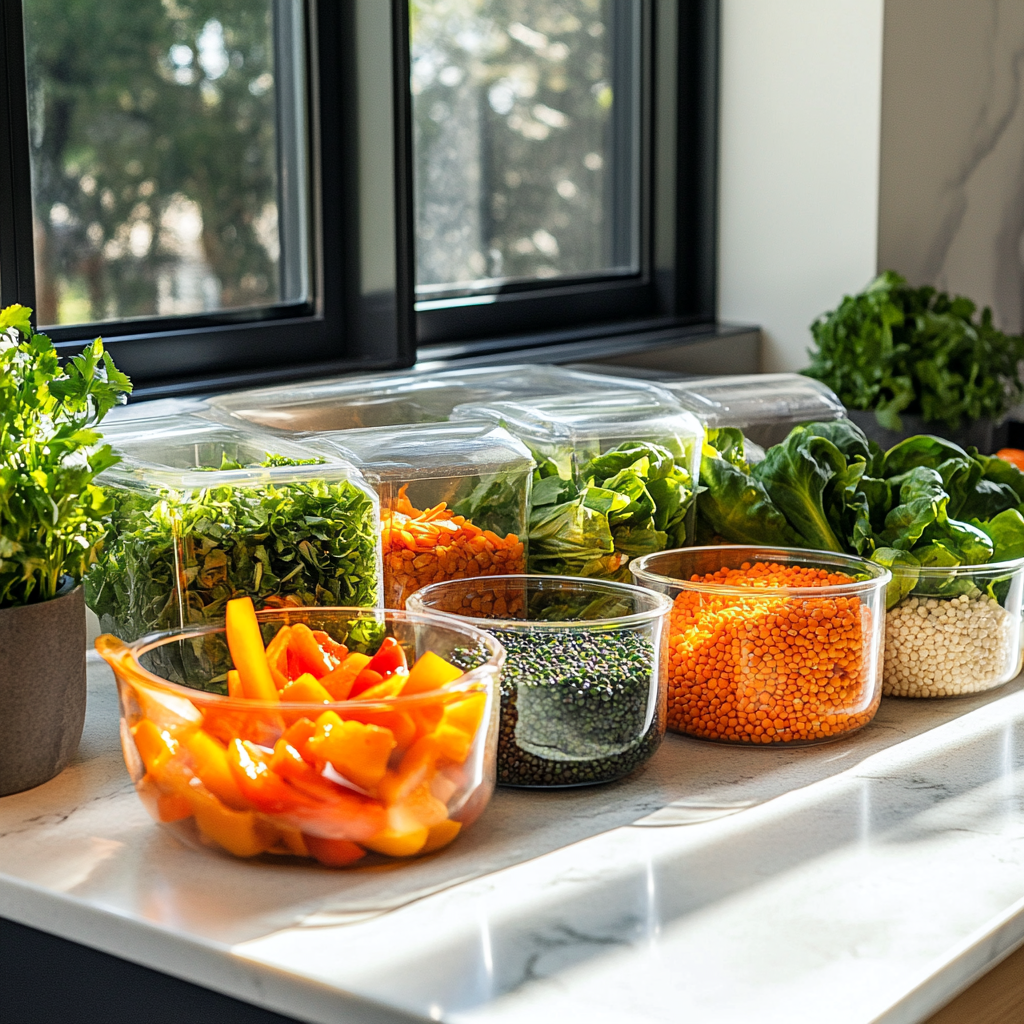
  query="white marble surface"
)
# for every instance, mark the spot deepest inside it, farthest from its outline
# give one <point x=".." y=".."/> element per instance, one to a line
<point x="866" y="880"/>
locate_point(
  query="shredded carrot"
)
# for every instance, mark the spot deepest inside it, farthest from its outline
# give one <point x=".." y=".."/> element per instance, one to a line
<point x="430" y="545"/>
<point x="772" y="669"/>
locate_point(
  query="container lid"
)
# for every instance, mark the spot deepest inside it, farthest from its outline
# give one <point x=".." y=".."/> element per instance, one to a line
<point x="186" y="452"/>
<point x="751" y="399"/>
<point x="345" y="403"/>
<point x="594" y="415"/>
<point x="425" y="450"/>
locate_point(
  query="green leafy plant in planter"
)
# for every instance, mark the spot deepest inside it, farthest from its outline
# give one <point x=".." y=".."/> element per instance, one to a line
<point x="896" y="349"/>
<point x="51" y="520"/>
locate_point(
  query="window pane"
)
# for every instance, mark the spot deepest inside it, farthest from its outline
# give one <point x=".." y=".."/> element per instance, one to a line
<point x="526" y="116"/>
<point x="168" y="166"/>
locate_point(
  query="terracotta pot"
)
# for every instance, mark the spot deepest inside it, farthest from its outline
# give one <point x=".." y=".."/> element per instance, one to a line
<point x="42" y="688"/>
<point x="985" y="435"/>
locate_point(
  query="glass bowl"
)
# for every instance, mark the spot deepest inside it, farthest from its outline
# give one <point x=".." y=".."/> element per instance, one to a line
<point x="584" y="683"/>
<point x="950" y="632"/>
<point x="764" y="663"/>
<point x="211" y="768"/>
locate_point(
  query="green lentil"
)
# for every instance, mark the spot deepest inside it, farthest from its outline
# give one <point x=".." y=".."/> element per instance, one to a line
<point x="574" y="707"/>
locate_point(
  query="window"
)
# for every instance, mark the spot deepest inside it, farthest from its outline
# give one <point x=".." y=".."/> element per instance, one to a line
<point x="241" y="190"/>
<point x="167" y="158"/>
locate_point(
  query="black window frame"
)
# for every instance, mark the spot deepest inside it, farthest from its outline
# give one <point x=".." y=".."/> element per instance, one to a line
<point x="354" y="111"/>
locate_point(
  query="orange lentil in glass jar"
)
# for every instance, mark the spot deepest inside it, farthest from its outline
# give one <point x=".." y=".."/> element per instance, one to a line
<point x="771" y="668"/>
<point x="424" y="546"/>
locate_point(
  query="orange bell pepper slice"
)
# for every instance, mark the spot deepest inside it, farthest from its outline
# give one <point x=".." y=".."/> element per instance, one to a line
<point x="306" y="689"/>
<point x="389" y="659"/>
<point x="337" y="652"/>
<point x="339" y="682"/>
<point x="258" y="782"/>
<point x="430" y="672"/>
<point x="305" y="655"/>
<point x="156" y="746"/>
<point x="289" y="764"/>
<point x="298" y="735"/>
<point x="366" y="680"/>
<point x="333" y="853"/>
<point x="384" y="690"/>
<point x="357" y="751"/>
<point x="210" y="764"/>
<point x="441" y="835"/>
<point x="235" y="684"/>
<point x="247" y="652"/>
<point x="239" y="832"/>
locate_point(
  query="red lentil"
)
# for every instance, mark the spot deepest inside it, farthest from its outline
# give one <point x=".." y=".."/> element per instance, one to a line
<point x="769" y="669"/>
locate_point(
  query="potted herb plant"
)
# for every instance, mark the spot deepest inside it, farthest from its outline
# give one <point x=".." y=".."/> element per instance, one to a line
<point x="908" y="361"/>
<point x="51" y="519"/>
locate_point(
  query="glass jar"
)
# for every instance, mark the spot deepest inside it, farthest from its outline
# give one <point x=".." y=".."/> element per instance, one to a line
<point x="950" y="632"/>
<point x="770" y="646"/>
<point x="616" y="476"/>
<point x="187" y="749"/>
<point x="206" y="512"/>
<point x="454" y="499"/>
<point x="583" y="687"/>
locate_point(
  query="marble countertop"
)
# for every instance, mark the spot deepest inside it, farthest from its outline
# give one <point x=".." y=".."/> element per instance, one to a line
<point x="866" y="880"/>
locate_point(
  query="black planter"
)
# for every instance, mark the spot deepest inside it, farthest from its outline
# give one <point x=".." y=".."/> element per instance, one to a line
<point x="42" y="688"/>
<point x="987" y="436"/>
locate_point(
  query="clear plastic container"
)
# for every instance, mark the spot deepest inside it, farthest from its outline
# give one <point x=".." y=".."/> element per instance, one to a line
<point x="616" y="477"/>
<point x="184" y="539"/>
<point x="185" y="748"/>
<point x="765" y="406"/>
<point x="951" y="632"/>
<point x="347" y="403"/>
<point x="770" y="646"/>
<point x="454" y="499"/>
<point x="584" y="683"/>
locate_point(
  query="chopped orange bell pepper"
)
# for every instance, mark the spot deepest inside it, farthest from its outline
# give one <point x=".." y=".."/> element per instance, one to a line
<point x="441" y="835"/>
<point x="400" y="723"/>
<point x="430" y="672"/>
<point x="289" y="764"/>
<point x="339" y="682"/>
<point x="384" y="690"/>
<point x="307" y="690"/>
<point x="156" y="746"/>
<point x="330" y="646"/>
<point x="246" y="645"/>
<point x="298" y="734"/>
<point x="399" y="843"/>
<point x="305" y="655"/>
<point x="357" y="751"/>
<point x="235" y="684"/>
<point x="210" y="764"/>
<point x="293" y="839"/>
<point x="366" y="680"/>
<point x="162" y="805"/>
<point x="258" y="782"/>
<point x="242" y="833"/>
<point x="390" y="658"/>
<point x="334" y="853"/>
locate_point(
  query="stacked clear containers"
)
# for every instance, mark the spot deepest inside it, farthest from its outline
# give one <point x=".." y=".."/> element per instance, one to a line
<point x="951" y="631"/>
<point x="764" y="406"/>
<point x="616" y="476"/>
<point x="454" y="499"/>
<point x="348" y="403"/>
<point x="770" y="646"/>
<point x="206" y="512"/>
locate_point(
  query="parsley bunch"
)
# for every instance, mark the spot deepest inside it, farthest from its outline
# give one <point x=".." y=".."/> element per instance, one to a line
<point x="51" y="512"/>
<point x="897" y="349"/>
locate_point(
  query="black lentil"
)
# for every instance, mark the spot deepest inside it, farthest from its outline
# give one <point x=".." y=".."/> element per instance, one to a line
<point x="574" y="706"/>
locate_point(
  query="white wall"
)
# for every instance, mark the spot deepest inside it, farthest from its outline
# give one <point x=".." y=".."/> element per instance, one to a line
<point x="952" y="171"/>
<point x="800" y="128"/>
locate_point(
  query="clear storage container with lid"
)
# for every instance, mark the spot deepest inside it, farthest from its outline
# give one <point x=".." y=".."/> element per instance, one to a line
<point x="348" y="403"/>
<point x="616" y="476"/>
<point x="765" y="406"/>
<point x="454" y="499"/>
<point x="206" y="512"/>
<point x="770" y="646"/>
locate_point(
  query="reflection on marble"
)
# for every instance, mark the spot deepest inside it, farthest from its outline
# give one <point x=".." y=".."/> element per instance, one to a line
<point x="868" y="879"/>
<point x="951" y="204"/>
